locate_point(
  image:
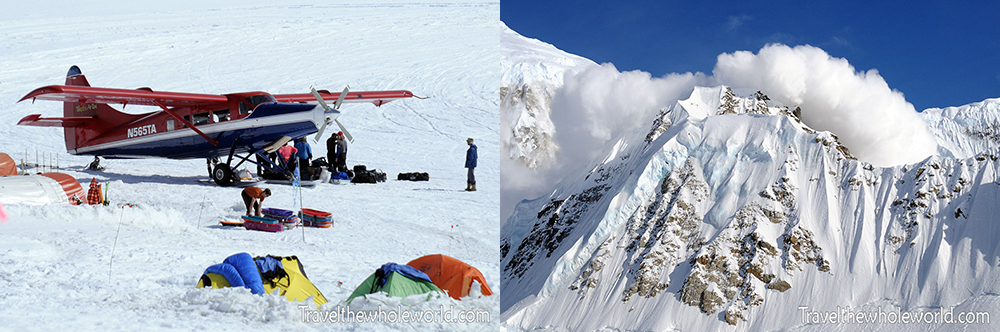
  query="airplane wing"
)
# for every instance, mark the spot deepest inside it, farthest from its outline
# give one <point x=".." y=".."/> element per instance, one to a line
<point x="142" y="96"/>
<point x="39" y="121"/>
<point x="376" y="97"/>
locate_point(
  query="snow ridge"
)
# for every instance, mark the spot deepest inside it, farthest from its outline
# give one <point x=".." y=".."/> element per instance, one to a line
<point x="729" y="205"/>
<point x="531" y="72"/>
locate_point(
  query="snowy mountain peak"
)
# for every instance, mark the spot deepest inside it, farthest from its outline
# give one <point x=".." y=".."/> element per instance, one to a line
<point x="730" y="204"/>
<point x="531" y="72"/>
<point x="967" y="130"/>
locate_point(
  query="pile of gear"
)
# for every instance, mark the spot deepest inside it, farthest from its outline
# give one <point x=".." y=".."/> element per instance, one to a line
<point x="364" y="175"/>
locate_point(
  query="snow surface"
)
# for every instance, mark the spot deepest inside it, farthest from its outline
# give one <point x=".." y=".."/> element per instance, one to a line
<point x="56" y="267"/>
<point x="691" y="205"/>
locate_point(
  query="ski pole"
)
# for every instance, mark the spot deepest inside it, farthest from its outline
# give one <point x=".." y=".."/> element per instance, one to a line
<point x="111" y="262"/>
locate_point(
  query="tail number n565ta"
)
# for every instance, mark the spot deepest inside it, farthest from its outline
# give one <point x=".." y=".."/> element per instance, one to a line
<point x="141" y="131"/>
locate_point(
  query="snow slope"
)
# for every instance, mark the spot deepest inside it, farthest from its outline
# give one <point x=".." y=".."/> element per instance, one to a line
<point x="728" y="213"/>
<point x="966" y="130"/>
<point x="531" y="72"/>
<point x="57" y="270"/>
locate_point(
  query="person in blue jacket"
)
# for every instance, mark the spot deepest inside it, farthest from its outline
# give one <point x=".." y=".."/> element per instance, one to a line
<point x="471" y="156"/>
<point x="304" y="155"/>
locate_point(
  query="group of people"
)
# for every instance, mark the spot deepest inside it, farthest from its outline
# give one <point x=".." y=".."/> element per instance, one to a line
<point x="299" y="154"/>
<point x="301" y="151"/>
<point x="336" y="152"/>
<point x="336" y="148"/>
<point x="336" y="155"/>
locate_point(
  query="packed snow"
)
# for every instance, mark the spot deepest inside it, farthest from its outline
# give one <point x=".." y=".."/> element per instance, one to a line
<point x="57" y="270"/>
<point x="723" y="209"/>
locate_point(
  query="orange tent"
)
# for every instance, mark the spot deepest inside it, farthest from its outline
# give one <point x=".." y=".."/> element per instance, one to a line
<point x="72" y="187"/>
<point x="47" y="188"/>
<point x="450" y="274"/>
<point x="7" y="166"/>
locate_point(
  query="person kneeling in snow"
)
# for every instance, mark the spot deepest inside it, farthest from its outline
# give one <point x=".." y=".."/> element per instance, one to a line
<point x="253" y="196"/>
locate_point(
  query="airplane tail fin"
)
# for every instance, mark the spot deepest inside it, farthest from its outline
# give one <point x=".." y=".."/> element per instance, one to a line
<point x="105" y="116"/>
<point x="75" y="77"/>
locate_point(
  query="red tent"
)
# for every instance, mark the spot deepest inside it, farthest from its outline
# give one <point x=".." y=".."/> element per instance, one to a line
<point x="451" y="275"/>
<point x="72" y="187"/>
<point x="47" y="188"/>
<point x="7" y="166"/>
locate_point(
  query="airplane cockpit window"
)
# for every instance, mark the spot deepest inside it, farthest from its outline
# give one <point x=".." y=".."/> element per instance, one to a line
<point x="200" y="119"/>
<point x="258" y="99"/>
<point x="244" y="109"/>
<point x="221" y="115"/>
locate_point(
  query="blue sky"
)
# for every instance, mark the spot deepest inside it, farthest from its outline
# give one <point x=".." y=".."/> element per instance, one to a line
<point x="937" y="54"/>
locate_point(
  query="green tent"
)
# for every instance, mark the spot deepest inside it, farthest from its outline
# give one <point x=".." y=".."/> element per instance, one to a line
<point x="397" y="281"/>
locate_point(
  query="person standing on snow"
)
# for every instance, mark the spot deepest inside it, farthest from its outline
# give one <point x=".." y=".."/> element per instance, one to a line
<point x="304" y="155"/>
<point x="286" y="153"/>
<point x="340" y="153"/>
<point x="331" y="152"/>
<point x="253" y="196"/>
<point x="471" y="156"/>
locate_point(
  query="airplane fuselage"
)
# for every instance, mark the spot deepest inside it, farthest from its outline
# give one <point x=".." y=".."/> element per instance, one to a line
<point x="242" y="124"/>
<point x="191" y="125"/>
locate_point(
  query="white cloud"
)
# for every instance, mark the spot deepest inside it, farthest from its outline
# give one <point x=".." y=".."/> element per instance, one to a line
<point x="874" y="121"/>
<point x="600" y="103"/>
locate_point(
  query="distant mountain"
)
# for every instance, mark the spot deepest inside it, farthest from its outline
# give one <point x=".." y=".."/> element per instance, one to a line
<point x="531" y="72"/>
<point x="730" y="213"/>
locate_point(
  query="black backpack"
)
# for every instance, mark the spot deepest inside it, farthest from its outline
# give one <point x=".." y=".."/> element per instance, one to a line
<point x="367" y="176"/>
<point x="413" y="176"/>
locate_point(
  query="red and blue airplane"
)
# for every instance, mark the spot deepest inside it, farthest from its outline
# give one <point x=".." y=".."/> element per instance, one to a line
<point x="192" y="125"/>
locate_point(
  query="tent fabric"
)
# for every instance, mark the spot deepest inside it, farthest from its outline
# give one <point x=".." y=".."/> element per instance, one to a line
<point x="283" y="275"/>
<point x="395" y="284"/>
<point x="213" y="280"/>
<point x="7" y="165"/>
<point x="241" y="271"/>
<point x="33" y="190"/>
<point x="267" y="264"/>
<point x="451" y="274"/>
<point x="229" y="272"/>
<point x="70" y="186"/>
<point x="405" y="270"/>
<point x="245" y="265"/>
<point x="293" y="283"/>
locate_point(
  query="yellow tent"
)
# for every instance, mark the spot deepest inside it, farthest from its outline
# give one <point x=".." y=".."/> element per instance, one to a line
<point x="293" y="283"/>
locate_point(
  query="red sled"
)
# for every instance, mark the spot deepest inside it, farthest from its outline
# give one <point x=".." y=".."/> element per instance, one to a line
<point x="231" y="223"/>
<point x="262" y="224"/>
<point x="316" y="218"/>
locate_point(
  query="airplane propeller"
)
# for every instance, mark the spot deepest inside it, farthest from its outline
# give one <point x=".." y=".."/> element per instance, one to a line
<point x="327" y="110"/>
